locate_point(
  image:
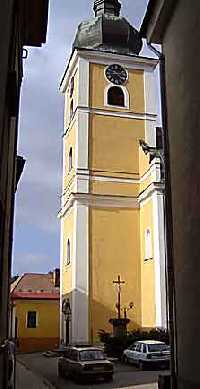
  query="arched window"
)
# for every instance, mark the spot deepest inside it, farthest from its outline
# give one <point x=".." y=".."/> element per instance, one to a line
<point x="71" y="109"/>
<point x="116" y="96"/>
<point x="68" y="252"/>
<point x="148" y="248"/>
<point x="71" y="90"/>
<point x="70" y="159"/>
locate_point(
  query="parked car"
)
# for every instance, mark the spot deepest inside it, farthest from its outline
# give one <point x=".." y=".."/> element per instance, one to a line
<point x="146" y="353"/>
<point x="84" y="362"/>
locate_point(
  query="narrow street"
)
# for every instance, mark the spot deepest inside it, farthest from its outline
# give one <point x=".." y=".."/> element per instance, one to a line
<point x="125" y="376"/>
<point x="25" y="378"/>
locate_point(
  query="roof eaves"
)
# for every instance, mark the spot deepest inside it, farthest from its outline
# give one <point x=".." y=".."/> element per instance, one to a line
<point x="16" y="283"/>
<point x="157" y="17"/>
<point x="35" y="21"/>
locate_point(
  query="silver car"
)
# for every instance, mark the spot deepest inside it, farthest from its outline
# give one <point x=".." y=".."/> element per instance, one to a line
<point x="146" y="353"/>
<point x="84" y="362"/>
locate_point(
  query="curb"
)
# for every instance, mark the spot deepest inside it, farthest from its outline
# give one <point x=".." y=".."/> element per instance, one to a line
<point x="44" y="380"/>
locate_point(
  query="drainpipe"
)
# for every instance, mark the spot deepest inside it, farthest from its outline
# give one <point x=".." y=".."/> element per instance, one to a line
<point x="170" y="274"/>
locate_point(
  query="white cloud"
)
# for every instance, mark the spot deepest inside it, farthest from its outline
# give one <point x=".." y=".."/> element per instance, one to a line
<point x="32" y="263"/>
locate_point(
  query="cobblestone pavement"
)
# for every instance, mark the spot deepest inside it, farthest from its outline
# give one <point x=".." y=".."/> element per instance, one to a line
<point x="125" y="377"/>
<point x="26" y="379"/>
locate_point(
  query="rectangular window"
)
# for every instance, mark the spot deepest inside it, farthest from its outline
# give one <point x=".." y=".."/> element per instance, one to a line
<point x="31" y="319"/>
<point x="148" y="244"/>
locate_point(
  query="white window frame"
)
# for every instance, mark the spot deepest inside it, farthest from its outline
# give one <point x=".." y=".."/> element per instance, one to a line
<point x="148" y="244"/>
<point x="126" y="97"/>
<point x="68" y="256"/>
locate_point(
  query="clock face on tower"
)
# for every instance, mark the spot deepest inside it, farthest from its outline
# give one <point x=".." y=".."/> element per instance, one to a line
<point x="116" y="74"/>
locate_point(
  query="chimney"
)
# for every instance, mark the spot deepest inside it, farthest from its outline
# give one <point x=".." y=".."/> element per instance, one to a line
<point x="56" y="278"/>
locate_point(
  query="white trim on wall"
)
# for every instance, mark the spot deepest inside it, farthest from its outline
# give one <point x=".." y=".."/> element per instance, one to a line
<point x="128" y="61"/>
<point x="13" y="323"/>
<point x="150" y="105"/>
<point x="83" y="82"/>
<point x="159" y="259"/>
<point x="126" y="97"/>
<point x="80" y="289"/>
<point x="100" y="201"/>
<point x="146" y="195"/>
<point x="61" y="276"/>
<point x="82" y="141"/>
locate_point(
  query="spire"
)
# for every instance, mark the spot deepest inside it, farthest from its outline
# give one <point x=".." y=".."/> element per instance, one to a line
<point x="109" y="7"/>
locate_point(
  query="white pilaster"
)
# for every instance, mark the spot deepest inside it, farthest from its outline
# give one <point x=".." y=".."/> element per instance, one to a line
<point x="13" y="324"/>
<point x="150" y="105"/>
<point x="84" y="84"/>
<point x="80" y="276"/>
<point x="159" y="258"/>
<point x="82" y="141"/>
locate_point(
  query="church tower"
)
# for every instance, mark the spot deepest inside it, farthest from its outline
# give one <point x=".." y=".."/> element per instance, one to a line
<point x="112" y="201"/>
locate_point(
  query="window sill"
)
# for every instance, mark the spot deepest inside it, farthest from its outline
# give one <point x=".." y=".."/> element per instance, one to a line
<point x="124" y="107"/>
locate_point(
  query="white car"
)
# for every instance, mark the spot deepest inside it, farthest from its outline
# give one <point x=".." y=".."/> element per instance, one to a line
<point x="147" y="352"/>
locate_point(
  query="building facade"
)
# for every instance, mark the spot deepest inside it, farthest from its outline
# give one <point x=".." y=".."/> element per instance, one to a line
<point x="22" y="24"/>
<point x="175" y="25"/>
<point x="35" y="311"/>
<point x="112" y="201"/>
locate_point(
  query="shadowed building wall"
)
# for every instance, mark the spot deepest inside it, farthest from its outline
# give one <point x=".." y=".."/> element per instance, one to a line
<point x="175" y="25"/>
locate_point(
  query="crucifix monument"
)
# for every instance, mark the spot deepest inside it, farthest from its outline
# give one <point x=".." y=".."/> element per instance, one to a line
<point x="119" y="324"/>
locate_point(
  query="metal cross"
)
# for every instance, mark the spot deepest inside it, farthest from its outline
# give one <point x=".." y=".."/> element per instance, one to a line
<point x="119" y="283"/>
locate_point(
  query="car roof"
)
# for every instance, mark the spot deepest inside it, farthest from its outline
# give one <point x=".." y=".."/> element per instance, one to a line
<point x="85" y="348"/>
<point x="150" y="342"/>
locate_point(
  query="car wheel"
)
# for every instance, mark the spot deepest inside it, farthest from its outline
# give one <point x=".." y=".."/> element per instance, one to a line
<point x="125" y="359"/>
<point x="141" y="365"/>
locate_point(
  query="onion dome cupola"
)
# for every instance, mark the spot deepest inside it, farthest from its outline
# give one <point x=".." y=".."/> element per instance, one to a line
<point x="108" y="31"/>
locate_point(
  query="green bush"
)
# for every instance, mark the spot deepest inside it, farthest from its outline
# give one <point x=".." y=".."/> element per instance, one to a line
<point x="114" y="346"/>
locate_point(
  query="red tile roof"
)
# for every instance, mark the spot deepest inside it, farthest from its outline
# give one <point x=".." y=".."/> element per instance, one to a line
<point x="35" y="286"/>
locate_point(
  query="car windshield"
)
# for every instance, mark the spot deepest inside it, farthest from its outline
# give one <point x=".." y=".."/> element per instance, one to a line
<point x="91" y="355"/>
<point x="158" y="347"/>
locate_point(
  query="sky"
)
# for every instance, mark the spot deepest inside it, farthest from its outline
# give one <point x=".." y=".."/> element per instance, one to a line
<point x="37" y="230"/>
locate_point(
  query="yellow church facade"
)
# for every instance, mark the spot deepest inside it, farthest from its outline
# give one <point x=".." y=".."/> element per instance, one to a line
<point x="112" y="213"/>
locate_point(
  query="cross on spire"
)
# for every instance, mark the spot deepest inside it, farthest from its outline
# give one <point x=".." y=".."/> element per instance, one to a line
<point x="109" y="7"/>
<point x="119" y="283"/>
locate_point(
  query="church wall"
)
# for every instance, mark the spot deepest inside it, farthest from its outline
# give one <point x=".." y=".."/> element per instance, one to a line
<point x="69" y="141"/>
<point x="69" y="98"/>
<point x="116" y="188"/>
<point x="145" y="183"/>
<point x="114" y="144"/>
<point x="114" y="250"/>
<point x="143" y="162"/>
<point x="147" y="266"/>
<point x="109" y="173"/>
<point x="67" y="234"/>
<point x="134" y="87"/>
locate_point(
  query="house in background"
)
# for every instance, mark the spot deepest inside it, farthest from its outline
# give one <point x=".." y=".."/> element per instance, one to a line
<point x="35" y="311"/>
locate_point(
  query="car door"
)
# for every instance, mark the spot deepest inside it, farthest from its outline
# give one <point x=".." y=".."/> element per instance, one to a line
<point x="137" y="352"/>
<point x="73" y="365"/>
<point x="64" y="361"/>
<point x="143" y="352"/>
<point x="131" y="356"/>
